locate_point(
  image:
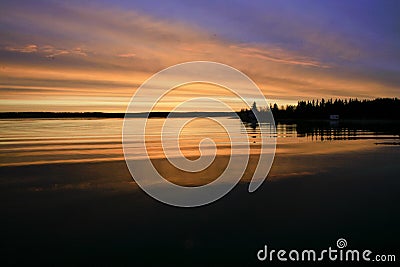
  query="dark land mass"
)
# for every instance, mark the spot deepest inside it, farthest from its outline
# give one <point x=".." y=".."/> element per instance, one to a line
<point x="352" y="109"/>
<point x="79" y="115"/>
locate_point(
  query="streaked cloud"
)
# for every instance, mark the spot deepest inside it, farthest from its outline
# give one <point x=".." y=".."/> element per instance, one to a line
<point x="277" y="55"/>
<point x="51" y="52"/>
<point x="30" y="48"/>
<point x="127" y="55"/>
<point x="47" y="50"/>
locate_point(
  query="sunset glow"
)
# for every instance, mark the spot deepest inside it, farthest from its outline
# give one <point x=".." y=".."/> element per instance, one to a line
<point x="69" y="56"/>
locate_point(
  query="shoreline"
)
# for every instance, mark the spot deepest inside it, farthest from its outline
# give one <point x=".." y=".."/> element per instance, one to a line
<point x="105" y="115"/>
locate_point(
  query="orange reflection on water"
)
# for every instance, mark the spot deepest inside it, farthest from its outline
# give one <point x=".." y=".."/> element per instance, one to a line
<point x="48" y="141"/>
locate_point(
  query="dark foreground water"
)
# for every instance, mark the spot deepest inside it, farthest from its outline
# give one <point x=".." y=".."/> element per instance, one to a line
<point x="67" y="198"/>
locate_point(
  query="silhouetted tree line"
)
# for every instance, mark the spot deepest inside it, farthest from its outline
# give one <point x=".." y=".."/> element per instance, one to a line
<point x="380" y="108"/>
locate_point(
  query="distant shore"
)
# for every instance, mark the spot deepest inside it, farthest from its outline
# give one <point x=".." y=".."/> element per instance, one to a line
<point x="67" y="115"/>
<point x="95" y="115"/>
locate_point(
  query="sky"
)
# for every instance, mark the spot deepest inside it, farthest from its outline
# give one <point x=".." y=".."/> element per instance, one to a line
<point x="94" y="55"/>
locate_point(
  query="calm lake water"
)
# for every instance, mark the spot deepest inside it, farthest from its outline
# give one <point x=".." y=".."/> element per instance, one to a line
<point x="328" y="181"/>
<point x="40" y="141"/>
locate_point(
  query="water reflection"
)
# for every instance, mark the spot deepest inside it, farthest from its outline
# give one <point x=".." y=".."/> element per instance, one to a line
<point x="341" y="130"/>
<point x="38" y="141"/>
